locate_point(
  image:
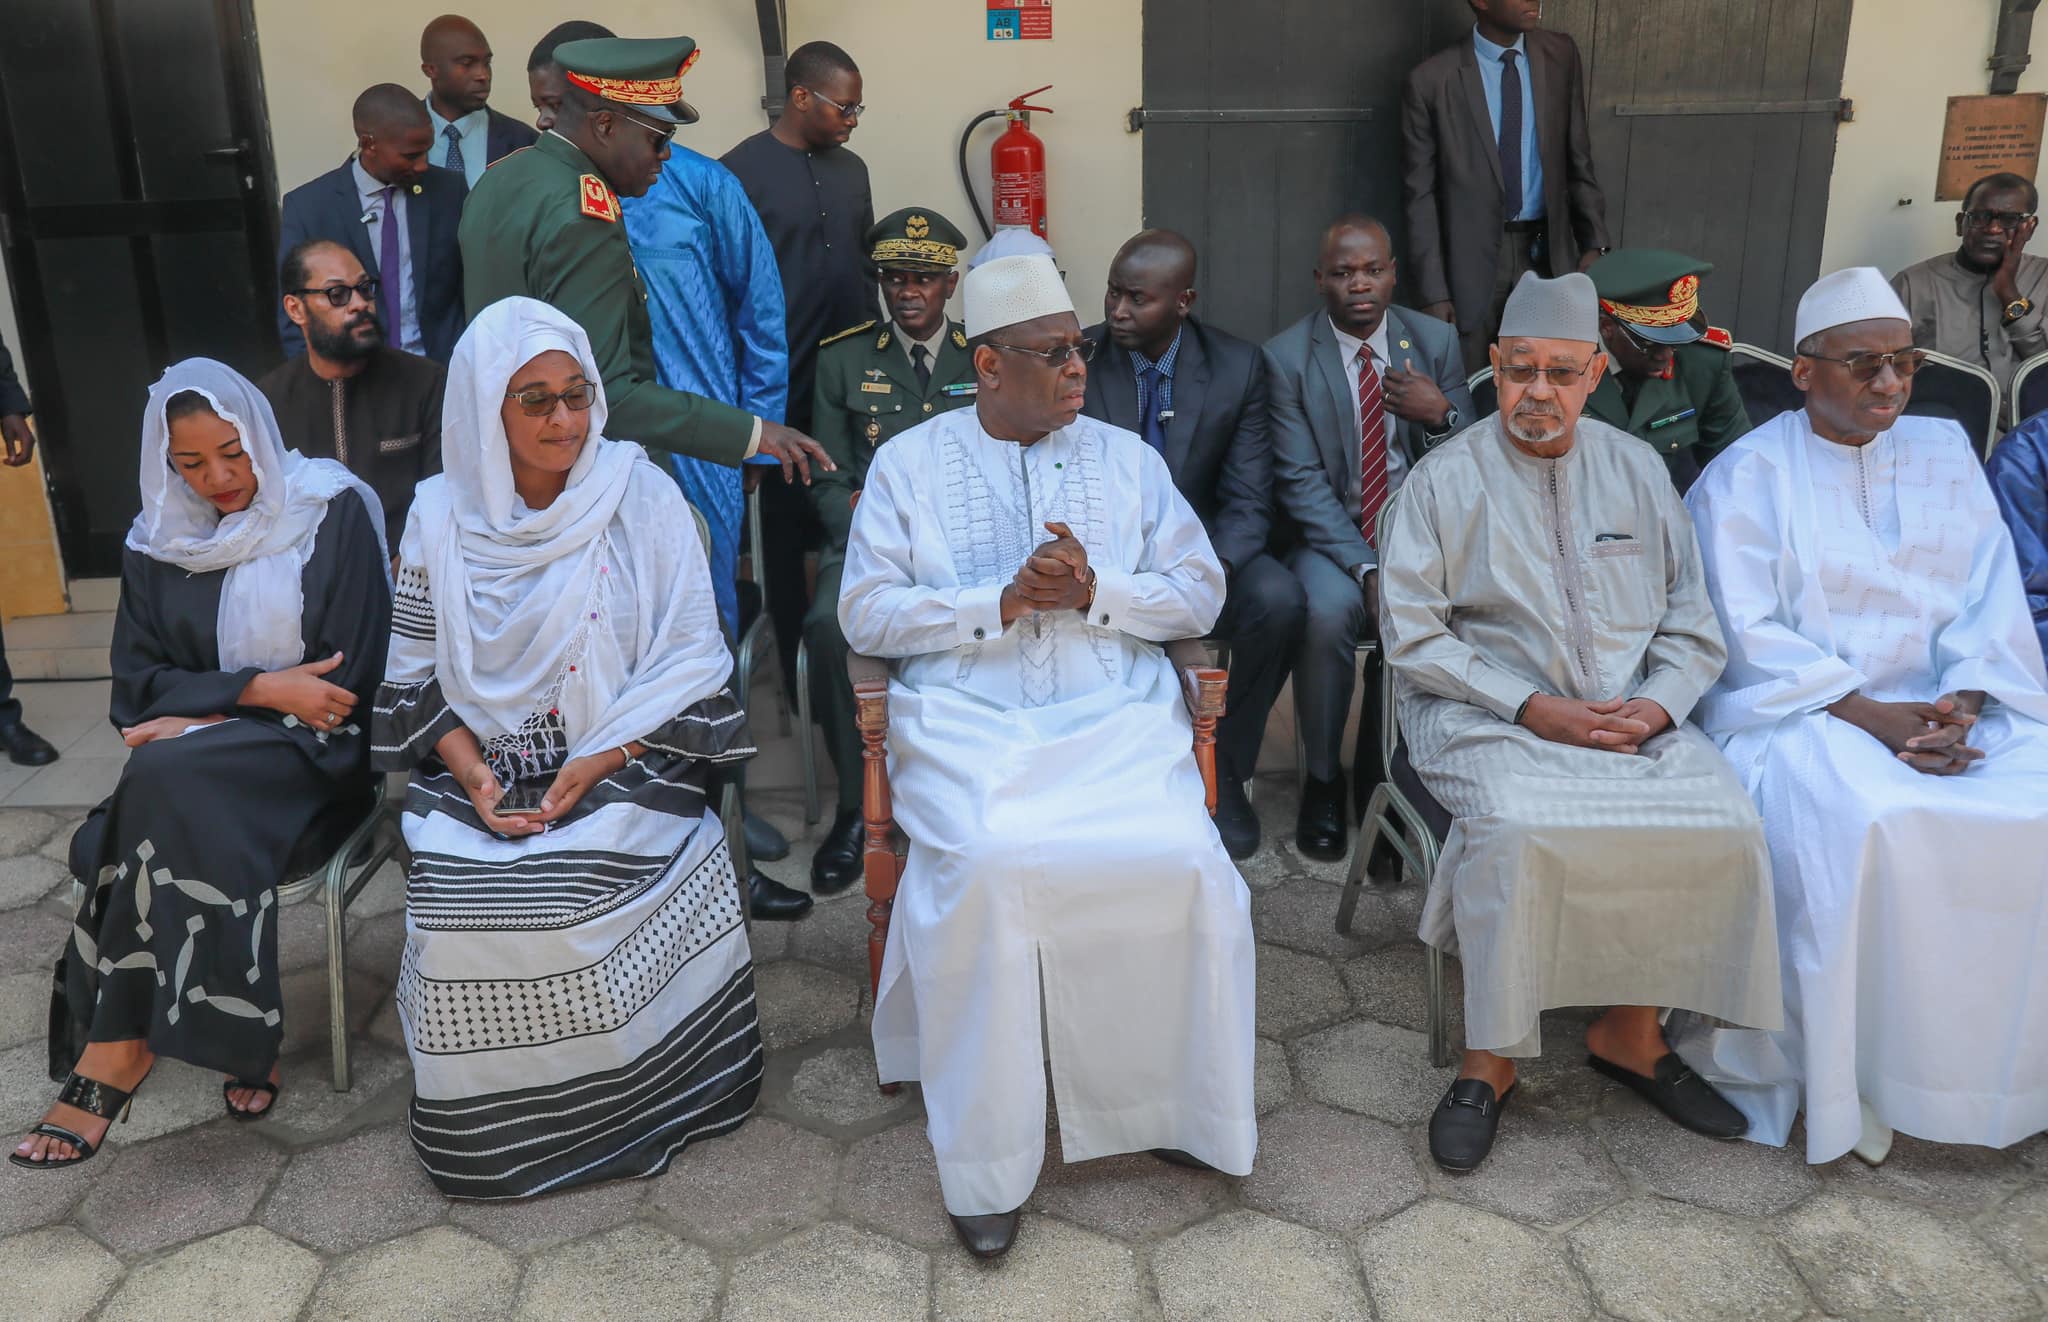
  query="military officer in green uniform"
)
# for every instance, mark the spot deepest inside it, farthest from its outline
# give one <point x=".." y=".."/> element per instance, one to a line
<point x="1669" y="380"/>
<point x="875" y="381"/>
<point x="545" y="222"/>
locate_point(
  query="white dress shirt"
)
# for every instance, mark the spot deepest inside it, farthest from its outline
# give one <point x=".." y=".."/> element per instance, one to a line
<point x="474" y="131"/>
<point x="395" y="292"/>
<point x="1397" y="461"/>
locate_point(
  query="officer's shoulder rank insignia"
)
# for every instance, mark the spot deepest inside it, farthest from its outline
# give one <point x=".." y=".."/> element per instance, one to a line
<point x="1719" y="338"/>
<point x="959" y="338"/>
<point x="850" y="330"/>
<point x="882" y="340"/>
<point x="599" y="203"/>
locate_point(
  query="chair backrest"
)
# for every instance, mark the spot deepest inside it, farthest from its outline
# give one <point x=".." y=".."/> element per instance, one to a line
<point x="2030" y="388"/>
<point x="1485" y="396"/>
<point x="1764" y="380"/>
<point x="1964" y="393"/>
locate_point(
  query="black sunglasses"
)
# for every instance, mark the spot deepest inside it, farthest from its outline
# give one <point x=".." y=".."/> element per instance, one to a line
<point x="338" y="295"/>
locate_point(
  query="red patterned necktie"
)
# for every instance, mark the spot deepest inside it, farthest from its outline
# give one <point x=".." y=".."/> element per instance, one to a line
<point x="1372" y="447"/>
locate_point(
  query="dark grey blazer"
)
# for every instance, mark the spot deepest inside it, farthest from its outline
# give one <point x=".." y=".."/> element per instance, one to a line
<point x="328" y="208"/>
<point x="1450" y="172"/>
<point x="1315" y="445"/>
<point x="504" y="135"/>
<point x="1217" y="447"/>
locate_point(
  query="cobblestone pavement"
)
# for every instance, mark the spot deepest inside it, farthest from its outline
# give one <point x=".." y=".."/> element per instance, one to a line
<point x="826" y="1205"/>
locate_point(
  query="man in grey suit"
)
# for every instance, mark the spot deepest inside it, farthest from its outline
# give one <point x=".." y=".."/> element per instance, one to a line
<point x="1497" y="168"/>
<point x="1359" y="389"/>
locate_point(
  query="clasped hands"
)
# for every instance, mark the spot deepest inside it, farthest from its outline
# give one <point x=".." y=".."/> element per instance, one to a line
<point x="1926" y="736"/>
<point x="1054" y="577"/>
<point x="1618" y="725"/>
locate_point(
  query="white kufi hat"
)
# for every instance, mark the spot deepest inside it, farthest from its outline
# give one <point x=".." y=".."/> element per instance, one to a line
<point x="1857" y="293"/>
<point x="1012" y="289"/>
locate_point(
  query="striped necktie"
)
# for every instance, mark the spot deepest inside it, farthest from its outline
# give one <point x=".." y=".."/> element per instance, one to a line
<point x="1372" y="447"/>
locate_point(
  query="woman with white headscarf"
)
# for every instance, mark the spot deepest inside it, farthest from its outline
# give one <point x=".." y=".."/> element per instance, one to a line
<point x="576" y="989"/>
<point x="255" y="606"/>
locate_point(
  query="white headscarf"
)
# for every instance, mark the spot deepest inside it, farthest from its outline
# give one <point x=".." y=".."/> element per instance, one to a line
<point x="264" y="548"/>
<point x="528" y="604"/>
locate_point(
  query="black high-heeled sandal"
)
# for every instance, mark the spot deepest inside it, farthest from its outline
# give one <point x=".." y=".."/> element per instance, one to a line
<point x="253" y="1085"/>
<point x="92" y="1097"/>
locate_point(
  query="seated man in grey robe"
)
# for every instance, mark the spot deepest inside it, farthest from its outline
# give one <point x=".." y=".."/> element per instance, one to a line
<point x="1546" y="617"/>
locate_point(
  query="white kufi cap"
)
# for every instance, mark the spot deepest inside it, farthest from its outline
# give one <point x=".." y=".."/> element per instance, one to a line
<point x="1010" y="241"/>
<point x="1012" y="289"/>
<point x="1857" y="293"/>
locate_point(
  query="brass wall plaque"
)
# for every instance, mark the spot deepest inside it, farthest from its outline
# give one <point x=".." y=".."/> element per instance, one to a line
<point x="1986" y="134"/>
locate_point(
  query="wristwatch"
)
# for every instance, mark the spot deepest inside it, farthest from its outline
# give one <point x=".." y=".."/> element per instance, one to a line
<point x="2016" y="309"/>
<point x="1449" y="423"/>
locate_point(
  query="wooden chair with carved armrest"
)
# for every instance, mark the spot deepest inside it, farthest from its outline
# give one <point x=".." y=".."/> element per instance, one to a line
<point x="1202" y="686"/>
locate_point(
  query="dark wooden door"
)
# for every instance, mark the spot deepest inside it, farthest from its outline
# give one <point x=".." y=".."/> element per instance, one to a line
<point x="135" y="217"/>
<point x="1712" y="122"/>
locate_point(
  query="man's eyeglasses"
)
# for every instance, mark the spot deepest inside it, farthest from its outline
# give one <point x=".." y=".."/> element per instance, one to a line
<point x="538" y="403"/>
<point x="1866" y="366"/>
<point x="1055" y="357"/>
<point x="663" y="134"/>
<point x="2005" y="220"/>
<point x="849" y="112"/>
<point x="338" y="295"/>
<point x="1560" y="378"/>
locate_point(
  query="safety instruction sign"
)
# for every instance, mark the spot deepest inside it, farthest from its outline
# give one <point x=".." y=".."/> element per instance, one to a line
<point x="1019" y="20"/>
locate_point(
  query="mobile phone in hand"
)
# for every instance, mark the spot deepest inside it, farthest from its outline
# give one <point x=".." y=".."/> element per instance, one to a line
<point x="521" y="799"/>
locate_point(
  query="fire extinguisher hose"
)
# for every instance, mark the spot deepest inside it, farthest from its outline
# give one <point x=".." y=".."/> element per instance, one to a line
<point x="966" y="181"/>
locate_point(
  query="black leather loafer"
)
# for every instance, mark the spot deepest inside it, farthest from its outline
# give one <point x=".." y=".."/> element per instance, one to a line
<point x="1462" y="1128"/>
<point x="768" y="900"/>
<point x="765" y="844"/>
<point x="836" y="865"/>
<point x="1175" y="1157"/>
<point x="25" y="747"/>
<point x="1235" y="820"/>
<point x="1319" y="829"/>
<point x="987" y="1236"/>
<point x="1681" y="1094"/>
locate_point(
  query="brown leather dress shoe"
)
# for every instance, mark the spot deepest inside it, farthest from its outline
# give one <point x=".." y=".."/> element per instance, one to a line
<point x="987" y="1236"/>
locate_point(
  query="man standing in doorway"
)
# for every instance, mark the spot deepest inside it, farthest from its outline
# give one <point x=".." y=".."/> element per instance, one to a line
<point x="813" y="198"/>
<point x="1497" y="168"/>
<point x="23" y="746"/>
<point x="468" y="134"/>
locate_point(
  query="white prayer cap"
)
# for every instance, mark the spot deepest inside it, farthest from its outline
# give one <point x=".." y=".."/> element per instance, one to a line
<point x="1566" y="308"/>
<point x="1012" y="289"/>
<point x="1857" y="293"/>
<point x="1011" y="241"/>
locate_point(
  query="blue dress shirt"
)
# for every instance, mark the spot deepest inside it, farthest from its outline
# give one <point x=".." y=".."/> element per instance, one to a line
<point x="474" y="129"/>
<point x="1489" y="79"/>
<point x="1162" y="400"/>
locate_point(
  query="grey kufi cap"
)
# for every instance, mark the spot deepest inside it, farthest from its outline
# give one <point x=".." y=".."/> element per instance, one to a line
<point x="1566" y="308"/>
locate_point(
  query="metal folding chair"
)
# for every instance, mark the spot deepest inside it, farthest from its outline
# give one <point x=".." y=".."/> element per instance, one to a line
<point x="1366" y="647"/>
<point x="1964" y="393"/>
<point x="1392" y="815"/>
<point x="2029" y="391"/>
<point x="1764" y="380"/>
<point x="1485" y="397"/>
<point x="365" y="849"/>
<point x="750" y="649"/>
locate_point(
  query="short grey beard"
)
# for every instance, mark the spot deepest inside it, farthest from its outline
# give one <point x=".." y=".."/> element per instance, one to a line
<point x="1518" y="427"/>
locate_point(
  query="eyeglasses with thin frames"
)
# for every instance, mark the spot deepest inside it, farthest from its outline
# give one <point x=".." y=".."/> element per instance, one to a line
<point x="2005" y="220"/>
<point x="538" y="403"/>
<point x="1866" y="366"/>
<point x="1560" y="378"/>
<point x="849" y="112"/>
<point x="338" y="295"/>
<point x="1055" y="358"/>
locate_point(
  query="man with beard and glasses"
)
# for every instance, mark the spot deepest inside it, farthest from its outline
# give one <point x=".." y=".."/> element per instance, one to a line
<point x="352" y="397"/>
<point x="1544" y="609"/>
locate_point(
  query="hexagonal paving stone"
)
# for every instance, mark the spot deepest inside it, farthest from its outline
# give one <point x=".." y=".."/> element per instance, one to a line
<point x="1296" y="992"/>
<point x="838" y="1086"/>
<point x="1330" y="1170"/>
<point x="764" y="1178"/>
<point x="1272" y="1077"/>
<point x="438" y="1273"/>
<point x="1391" y="986"/>
<point x="180" y="1188"/>
<point x="364" y="1188"/>
<point x="527" y="1224"/>
<point x="1871" y="1259"/>
<point x="1269" y="867"/>
<point x="890" y="1181"/>
<point x="309" y="1106"/>
<point x="1543" y="1169"/>
<point x="1303" y="915"/>
<point x="1748" y="1179"/>
<point x="24" y="1008"/>
<point x="28" y="878"/>
<point x="29" y="1199"/>
<point x="1656" y="1261"/>
<point x="245" y="1273"/>
<point x="631" y="1272"/>
<point x="1243" y="1266"/>
<point x="54" y="1275"/>
<point x="30" y="942"/>
<point x="802" y="1001"/>
<point x="1368" y="1067"/>
<point x="1054" y="1271"/>
<point x="2021" y="1229"/>
<point x="306" y="1013"/>
<point x="1942" y="1174"/>
<point x="829" y="1271"/>
<point x="1560" y="1079"/>
<point x="1440" y="1260"/>
<point x="1133" y="1196"/>
<point x="23" y="829"/>
<point x="376" y="944"/>
<point x="835" y="935"/>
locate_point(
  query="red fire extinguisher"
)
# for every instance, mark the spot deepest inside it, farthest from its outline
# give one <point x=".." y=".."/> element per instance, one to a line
<point x="1016" y="169"/>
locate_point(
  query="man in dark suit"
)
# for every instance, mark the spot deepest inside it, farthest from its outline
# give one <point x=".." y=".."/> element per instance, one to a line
<point x="1361" y="389"/>
<point x="1198" y="396"/>
<point x="1497" y="168"/>
<point x="467" y="134"/>
<point x="398" y="215"/>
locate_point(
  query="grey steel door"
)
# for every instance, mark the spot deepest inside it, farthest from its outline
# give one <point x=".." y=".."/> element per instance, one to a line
<point x="137" y="225"/>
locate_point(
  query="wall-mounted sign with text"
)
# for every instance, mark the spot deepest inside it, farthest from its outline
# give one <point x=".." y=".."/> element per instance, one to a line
<point x="1020" y="20"/>
<point x="1986" y="135"/>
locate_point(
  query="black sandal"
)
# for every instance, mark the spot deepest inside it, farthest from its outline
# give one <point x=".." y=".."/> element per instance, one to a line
<point x="92" y="1097"/>
<point x="262" y="1086"/>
